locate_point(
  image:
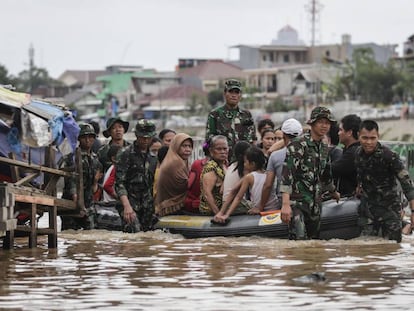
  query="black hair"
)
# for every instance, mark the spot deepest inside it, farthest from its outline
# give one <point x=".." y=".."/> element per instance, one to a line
<point x="369" y="125"/>
<point x="255" y="155"/>
<point x="334" y="133"/>
<point x="351" y="122"/>
<point x="262" y="123"/>
<point x="95" y="126"/>
<point x="162" y="152"/>
<point x="113" y="150"/>
<point x="239" y="151"/>
<point x="154" y="140"/>
<point x="164" y="132"/>
<point x="266" y="131"/>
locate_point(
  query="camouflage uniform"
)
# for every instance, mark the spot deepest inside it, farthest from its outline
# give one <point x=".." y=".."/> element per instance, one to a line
<point x="90" y="165"/>
<point x="235" y="124"/>
<point x="304" y="169"/>
<point x="103" y="154"/>
<point x="380" y="207"/>
<point x="135" y="178"/>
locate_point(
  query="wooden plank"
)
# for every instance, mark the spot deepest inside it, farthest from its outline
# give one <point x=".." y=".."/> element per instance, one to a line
<point x="50" y="187"/>
<point x="14" y="170"/>
<point x="26" y="179"/>
<point x="65" y="204"/>
<point x="35" y="167"/>
<point x="35" y="199"/>
<point x="49" y="180"/>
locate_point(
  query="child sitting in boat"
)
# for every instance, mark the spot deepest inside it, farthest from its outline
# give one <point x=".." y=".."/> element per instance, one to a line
<point x="254" y="162"/>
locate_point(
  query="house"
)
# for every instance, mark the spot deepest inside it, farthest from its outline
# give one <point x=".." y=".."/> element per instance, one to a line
<point x="76" y="79"/>
<point x="287" y="66"/>
<point x="118" y="92"/>
<point x="288" y="49"/>
<point x="285" y="49"/>
<point x="209" y="75"/>
<point x="149" y="83"/>
<point x="84" y="102"/>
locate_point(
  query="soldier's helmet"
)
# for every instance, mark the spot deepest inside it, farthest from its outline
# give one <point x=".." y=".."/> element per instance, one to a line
<point x="86" y="129"/>
<point x="320" y="113"/>
<point x="145" y="128"/>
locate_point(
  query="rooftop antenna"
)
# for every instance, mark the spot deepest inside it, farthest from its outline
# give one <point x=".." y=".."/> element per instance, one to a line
<point x="314" y="8"/>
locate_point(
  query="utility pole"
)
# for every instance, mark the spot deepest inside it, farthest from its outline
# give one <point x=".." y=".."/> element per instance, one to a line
<point x="314" y="8"/>
<point x="31" y="67"/>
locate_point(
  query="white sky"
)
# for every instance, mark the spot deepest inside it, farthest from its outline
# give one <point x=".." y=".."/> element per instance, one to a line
<point x="92" y="34"/>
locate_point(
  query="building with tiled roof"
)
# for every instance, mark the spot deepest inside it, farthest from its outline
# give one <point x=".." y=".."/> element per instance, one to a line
<point x="209" y="75"/>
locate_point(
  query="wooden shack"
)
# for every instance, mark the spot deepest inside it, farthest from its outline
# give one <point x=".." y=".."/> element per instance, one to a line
<point x="32" y="134"/>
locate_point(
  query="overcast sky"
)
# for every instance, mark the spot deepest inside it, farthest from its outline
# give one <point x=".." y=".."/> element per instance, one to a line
<point x="91" y="34"/>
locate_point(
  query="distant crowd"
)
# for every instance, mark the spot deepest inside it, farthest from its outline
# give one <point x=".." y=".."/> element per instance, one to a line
<point x="291" y="168"/>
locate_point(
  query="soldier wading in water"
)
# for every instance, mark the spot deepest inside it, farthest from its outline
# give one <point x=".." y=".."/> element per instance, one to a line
<point x="135" y="169"/>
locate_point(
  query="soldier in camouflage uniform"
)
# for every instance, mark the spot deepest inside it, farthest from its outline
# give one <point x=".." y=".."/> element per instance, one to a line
<point x="304" y="170"/>
<point x="230" y="120"/>
<point x="135" y="169"/>
<point x="378" y="169"/>
<point x="115" y="128"/>
<point x="90" y="166"/>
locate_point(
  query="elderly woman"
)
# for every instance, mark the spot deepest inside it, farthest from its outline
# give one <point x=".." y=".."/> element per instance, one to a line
<point x="173" y="176"/>
<point x="212" y="176"/>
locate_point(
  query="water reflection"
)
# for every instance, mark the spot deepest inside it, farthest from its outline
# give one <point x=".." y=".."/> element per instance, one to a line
<point x="113" y="270"/>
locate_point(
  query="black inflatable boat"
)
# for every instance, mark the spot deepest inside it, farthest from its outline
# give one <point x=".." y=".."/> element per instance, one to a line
<point x="339" y="220"/>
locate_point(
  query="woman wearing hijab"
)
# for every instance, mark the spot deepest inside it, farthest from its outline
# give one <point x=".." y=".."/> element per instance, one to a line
<point x="173" y="176"/>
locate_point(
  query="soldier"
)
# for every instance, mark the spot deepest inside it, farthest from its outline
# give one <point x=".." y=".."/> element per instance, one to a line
<point x="90" y="166"/>
<point x="135" y="169"/>
<point x="230" y="120"/>
<point x="378" y="169"/>
<point x="115" y="128"/>
<point x="302" y="176"/>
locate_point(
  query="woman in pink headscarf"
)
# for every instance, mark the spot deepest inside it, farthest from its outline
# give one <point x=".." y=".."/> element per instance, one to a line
<point x="173" y="176"/>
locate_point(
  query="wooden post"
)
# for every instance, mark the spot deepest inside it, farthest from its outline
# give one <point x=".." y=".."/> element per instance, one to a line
<point x="33" y="226"/>
<point x="52" y="237"/>
<point x="79" y="182"/>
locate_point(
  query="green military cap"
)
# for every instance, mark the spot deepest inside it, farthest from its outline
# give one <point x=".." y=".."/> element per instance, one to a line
<point x="232" y="84"/>
<point x="145" y="128"/>
<point x="320" y="113"/>
<point x="86" y="129"/>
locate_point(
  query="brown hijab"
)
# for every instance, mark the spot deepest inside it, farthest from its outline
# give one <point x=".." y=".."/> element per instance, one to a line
<point x="172" y="179"/>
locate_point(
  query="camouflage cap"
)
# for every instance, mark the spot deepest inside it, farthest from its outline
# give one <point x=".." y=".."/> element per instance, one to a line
<point x="320" y="113"/>
<point x="86" y="129"/>
<point x="145" y="128"/>
<point x="232" y="84"/>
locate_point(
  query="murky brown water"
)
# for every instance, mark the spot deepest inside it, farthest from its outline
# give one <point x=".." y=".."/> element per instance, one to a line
<point x="159" y="271"/>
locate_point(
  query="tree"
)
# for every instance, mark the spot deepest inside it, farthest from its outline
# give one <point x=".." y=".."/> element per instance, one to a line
<point x="5" y="78"/>
<point x="31" y="79"/>
<point x="214" y="97"/>
<point x="368" y="80"/>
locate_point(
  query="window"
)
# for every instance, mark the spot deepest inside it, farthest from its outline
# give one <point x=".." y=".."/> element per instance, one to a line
<point x="286" y="58"/>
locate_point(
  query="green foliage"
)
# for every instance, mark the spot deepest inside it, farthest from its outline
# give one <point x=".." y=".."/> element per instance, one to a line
<point x="371" y="82"/>
<point x="278" y="105"/>
<point x="198" y="104"/>
<point x="5" y="78"/>
<point x="31" y="79"/>
<point x="215" y="96"/>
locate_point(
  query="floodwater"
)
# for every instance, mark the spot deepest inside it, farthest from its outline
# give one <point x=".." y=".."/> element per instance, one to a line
<point x="159" y="271"/>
